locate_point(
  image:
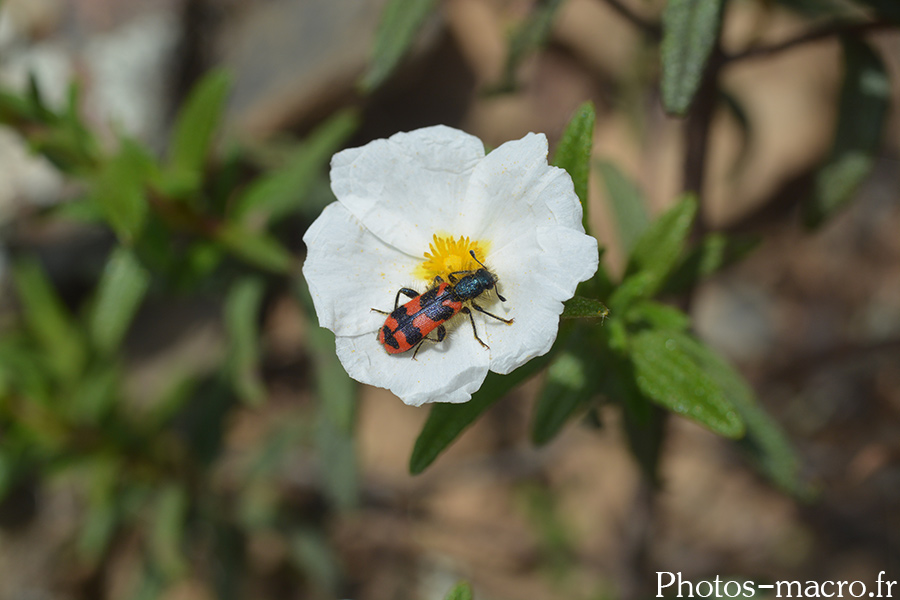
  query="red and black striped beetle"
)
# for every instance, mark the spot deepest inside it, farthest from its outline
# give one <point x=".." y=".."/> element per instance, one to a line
<point x="408" y="326"/>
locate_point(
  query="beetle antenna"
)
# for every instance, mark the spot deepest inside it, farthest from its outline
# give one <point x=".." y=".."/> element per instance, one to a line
<point x="472" y="252"/>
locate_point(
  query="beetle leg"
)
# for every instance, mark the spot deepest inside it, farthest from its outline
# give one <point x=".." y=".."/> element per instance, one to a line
<point x="406" y="292"/>
<point x="466" y="310"/>
<point x="482" y="311"/>
<point x="441" y="334"/>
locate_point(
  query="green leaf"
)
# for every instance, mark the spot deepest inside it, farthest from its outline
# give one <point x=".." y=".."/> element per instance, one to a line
<point x="97" y="528"/>
<point x="690" y="30"/>
<point x="119" y="189"/>
<point x="259" y="249"/>
<point x="715" y="252"/>
<point x="22" y="369"/>
<point x="530" y="36"/>
<point x="865" y="100"/>
<point x="313" y="555"/>
<point x="400" y="22"/>
<point x="574" y="152"/>
<point x="658" y="316"/>
<point x="667" y="374"/>
<point x="580" y="307"/>
<point x="446" y="421"/>
<point x="94" y="396"/>
<point x="460" y="591"/>
<point x="633" y="289"/>
<point x="195" y="126"/>
<point x="103" y="512"/>
<point x="167" y="531"/>
<point x="572" y="380"/>
<point x="48" y="320"/>
<point x="659" y="249"/>
<point x="766" y="444"/>
<point x="282" y="191"/>
<point x="36" y="100"/>
<point x="242" y="306"/>
<point x="629" y="207"/>
<point x="121" y="290"/>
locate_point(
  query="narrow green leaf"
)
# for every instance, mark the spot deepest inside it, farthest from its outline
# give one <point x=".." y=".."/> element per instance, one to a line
<point x="629" y="207"/>
<point x="7" y="473"/>
<point x="446" y="421"/>
<point x="460" y="591"/>
<point x="121" y="290"/>
<point x="103" y="511"/>
<point x="312" y="553"/>
<point x="658" y="316"/>
<point x="690" y="30"/>
<point x="195" y="126"/>
<point x="36" y="99"/>
<point x="715" y="252"/>
<point x="633" y="289"/>
<point x="48" y="320"/>
<point x="167" y="531"/>
<point x="258" y="249"/>
<point x="574" y="152"/>
<point x="570" y="384"/>
<point x="24" y="370"/>
<point x="580" y="307"/>
<point x="242" y="306"/>
<point x="659" y="249"/>
<point x="282" y="191"/>
<point x="667" y="374"/>
<point x="97" y="529"/>
<point x="865" y="100"/>
<point x="94" y="396"/>
<point x="766" y="444"/>
<point x="119" y="189"/>
<point x="529" y="37"/>
<point x="400" y="22"/>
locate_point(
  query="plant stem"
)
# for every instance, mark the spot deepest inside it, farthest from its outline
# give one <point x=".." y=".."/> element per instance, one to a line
<point x="650" y="28"/>
<point x="819" y="33"/>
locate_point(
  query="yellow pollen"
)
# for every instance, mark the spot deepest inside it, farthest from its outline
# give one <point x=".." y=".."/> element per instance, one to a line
<point x="447" y="255"/>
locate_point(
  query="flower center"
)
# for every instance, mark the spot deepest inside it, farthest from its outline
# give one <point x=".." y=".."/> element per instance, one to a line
<point x="447" y="255"/>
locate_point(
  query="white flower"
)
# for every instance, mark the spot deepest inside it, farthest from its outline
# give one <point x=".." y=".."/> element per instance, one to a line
<point x="410" y="208"/>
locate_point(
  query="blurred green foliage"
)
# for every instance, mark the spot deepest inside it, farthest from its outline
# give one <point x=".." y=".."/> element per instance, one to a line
<point x="208" y="219"/>
<point x="148" y="468"/>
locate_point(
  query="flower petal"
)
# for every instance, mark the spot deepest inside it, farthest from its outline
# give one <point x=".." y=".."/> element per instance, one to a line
<point x="350" y="271"/>
<point x="448" y="371"/>
<point x="406" y="188"/>
<point x="514" y="187"/>
<point x="537" y="271"/>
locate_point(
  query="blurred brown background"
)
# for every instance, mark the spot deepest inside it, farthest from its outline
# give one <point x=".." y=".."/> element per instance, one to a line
<point x="812" y="319"/>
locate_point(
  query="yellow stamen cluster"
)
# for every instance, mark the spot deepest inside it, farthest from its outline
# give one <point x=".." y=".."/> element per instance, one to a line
<point x="447" y="255"/>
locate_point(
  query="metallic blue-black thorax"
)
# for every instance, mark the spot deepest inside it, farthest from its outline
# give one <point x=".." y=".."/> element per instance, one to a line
<point x="473" y="285"/>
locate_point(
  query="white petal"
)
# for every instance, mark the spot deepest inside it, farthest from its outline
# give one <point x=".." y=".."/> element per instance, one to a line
<point x="350" y="271"/>
<point x="537" y="271"/>
<point x="447" y="371"/>
<point x="408" y="187"/>
<point x="514" y="187"/>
